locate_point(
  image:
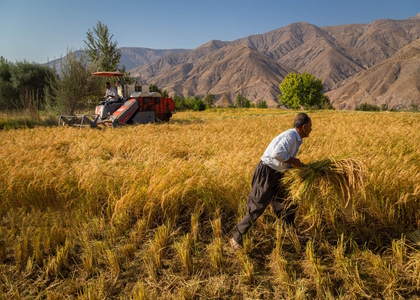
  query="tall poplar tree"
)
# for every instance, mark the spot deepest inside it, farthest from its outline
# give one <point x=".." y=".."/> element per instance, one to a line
<point x="101" y="49"/>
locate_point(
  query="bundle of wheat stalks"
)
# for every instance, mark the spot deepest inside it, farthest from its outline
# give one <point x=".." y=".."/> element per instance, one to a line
<point x="339" y="179"/>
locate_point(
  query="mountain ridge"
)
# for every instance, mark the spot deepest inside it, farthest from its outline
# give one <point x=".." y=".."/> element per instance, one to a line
<point x="333" y="53"/>
<point x="394" y="82"/>
<point x="257" y="64"/>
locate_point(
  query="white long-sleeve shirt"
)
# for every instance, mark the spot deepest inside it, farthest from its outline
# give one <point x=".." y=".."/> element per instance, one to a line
<point x="111" y="92"/>
<point x="281" y="148"/>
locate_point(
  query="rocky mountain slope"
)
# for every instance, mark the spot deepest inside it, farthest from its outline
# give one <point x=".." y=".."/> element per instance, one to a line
<point x="306" y="47"/>
<point x="133" y="57"/>
<point x="257" y="64"/>
<point x="394" y="82"/>
<point x="226" y="71"/>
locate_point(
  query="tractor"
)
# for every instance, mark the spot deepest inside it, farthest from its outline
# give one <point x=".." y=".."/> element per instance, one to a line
<point x="135" y="105"/>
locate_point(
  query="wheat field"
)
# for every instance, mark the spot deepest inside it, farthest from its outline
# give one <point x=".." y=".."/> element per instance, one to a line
<point x="146" y="211"/>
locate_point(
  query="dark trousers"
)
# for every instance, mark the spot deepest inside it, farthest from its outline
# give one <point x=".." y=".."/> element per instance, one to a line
<point x="266" y="189"/>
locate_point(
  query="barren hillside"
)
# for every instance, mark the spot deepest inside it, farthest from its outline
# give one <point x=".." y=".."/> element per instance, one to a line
<point x="167" y="62"/>
<point x="333" y="53"/>
<point x="306" y="47"/>
<point x="372" y="43"/>
<point x="133" y="57"/>
<point x="227" y="70"/>
<point x="394" y="82"/>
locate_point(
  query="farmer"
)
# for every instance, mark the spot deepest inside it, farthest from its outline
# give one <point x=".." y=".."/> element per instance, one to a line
<point x="111" y="94"/>
<point x="279" y="156"/>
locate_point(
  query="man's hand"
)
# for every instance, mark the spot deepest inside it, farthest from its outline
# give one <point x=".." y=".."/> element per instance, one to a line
<point x="295" y="162"/>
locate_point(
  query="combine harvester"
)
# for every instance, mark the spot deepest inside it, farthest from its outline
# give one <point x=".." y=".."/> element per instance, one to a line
<point x="141" y="107"/>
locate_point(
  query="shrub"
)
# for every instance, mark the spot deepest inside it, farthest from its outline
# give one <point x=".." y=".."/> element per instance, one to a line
<point x="195" y="103"/>
<point x="242" y="101"/>
<point x="75" y="83"/>
<point x="262" y="104"/>
<point x="199" y="104"/>
<point x="384" y="107"/>
<point x="179" y="102"/>
<point x="209" y="100"/>
<point x="23" y="84"/>
<point x="367" y="107"/>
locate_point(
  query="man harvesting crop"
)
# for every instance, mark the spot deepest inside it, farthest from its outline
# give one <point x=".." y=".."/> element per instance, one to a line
<point x="279" y="156"/>
<point x="111" y="94"/>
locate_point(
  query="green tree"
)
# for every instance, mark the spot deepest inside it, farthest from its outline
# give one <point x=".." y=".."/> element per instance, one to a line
<point x="75" y="83"/>
<point x="238" y="101"/>
<point x="262" y="104"/>
<point x="242" y="101"/>
<point x="154" y="88"/>
<point x="188" y="102"/>
<point x="179" y="102"/>
<point x="22" y="85"/>
<point x="194" y="103"/>
<point x="209" y="100"/>
<point x="30" y="79"/>
<point x="302" y="90"/>
<point x="101" y="49"/>
<point x="165" y="94"/>
<point x="368" y="107"/>
<point x="198" y="104"/>
<point x="7" y="93"/>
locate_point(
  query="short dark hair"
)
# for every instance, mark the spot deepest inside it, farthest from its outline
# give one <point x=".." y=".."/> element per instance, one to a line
<point x="107" y="83"/>
<point x="300" y="120"/>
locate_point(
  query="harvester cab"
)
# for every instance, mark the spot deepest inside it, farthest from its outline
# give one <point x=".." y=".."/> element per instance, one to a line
<point x="135" y="104"/>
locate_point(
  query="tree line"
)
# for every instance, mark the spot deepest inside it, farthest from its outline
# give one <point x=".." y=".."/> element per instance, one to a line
<point x="198" y="104"/>
<point x="23" y="85"/>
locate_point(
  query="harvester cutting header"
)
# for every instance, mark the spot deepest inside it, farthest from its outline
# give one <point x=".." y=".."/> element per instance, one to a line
<point x="134" y="104"/>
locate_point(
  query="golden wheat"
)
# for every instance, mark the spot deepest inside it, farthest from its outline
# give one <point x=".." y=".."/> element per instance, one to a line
<point x="146" y="211"/>
<point x="340" y="180"/>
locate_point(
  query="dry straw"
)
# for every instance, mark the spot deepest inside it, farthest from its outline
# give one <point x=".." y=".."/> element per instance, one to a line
<point x="343" y="178"/>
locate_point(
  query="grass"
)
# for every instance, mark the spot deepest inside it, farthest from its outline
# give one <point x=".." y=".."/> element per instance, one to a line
<point x="15" y="120"/>
<point x="146" y="211"/>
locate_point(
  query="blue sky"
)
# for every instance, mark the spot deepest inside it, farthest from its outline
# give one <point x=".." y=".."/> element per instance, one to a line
<point x="41" y="30"/>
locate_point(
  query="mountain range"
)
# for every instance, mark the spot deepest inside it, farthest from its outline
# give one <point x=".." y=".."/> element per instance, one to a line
<point x="376" y="63"/>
